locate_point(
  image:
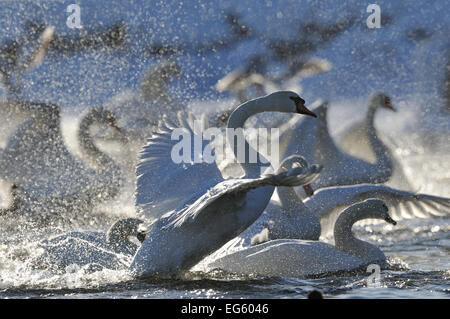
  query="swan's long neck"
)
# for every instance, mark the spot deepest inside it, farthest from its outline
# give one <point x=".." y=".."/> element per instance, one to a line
<point x="382" y="153"/>
<point x="91" y="152"/>
<point x="252" y="166"/>
<point x="343" y="227"/>
<point x="345" y="239"/>
<point x="290" y="200"/>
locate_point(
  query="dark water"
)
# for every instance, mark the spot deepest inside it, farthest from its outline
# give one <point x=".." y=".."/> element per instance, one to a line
<point x="418" y="254"/>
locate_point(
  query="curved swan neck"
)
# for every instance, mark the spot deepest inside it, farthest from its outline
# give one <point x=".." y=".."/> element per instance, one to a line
<point x="346" y="241"/>
<point x="236" y="123"/>
<point x="92" y="153"/>
<point x="382" y="153"/>
<point x="343" y="227"/>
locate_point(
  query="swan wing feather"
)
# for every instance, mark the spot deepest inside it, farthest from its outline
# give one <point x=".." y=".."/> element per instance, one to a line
<point x="329" y="202"/>
<point x="234" y="189"/>
<point x="162" y="184"/>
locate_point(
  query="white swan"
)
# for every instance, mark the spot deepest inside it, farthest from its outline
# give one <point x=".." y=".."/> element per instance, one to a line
<point x="140" y="111"/>
<point x="157" y="172"/>
<point x="37" y="159"/>
<point x="83" y="248"/>
<point x="302" y="258"/>
<point x="355" y="140"/>
<point x="318" y="147"/>
<point x="206" y="211"/>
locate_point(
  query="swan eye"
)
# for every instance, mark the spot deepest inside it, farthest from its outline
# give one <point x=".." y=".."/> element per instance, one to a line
<point x="298" y="101"/>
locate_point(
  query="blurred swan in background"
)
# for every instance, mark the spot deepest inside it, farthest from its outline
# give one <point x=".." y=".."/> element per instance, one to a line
<point x="139" y="112"/>
<point x="83" y="248"/>
<point x="339" y="168"/>
<point x="50" y="177"/>
<point x="302" y="258"/>
<point x="253" y="80"/>
<point x="14" y="63"/>
<point x="200" y="218"/>
<point x="356" y="140"/>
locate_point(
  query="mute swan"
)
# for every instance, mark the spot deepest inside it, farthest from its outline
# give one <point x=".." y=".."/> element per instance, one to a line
<point x="139" y="112"/>
<point x="82" y="248"/>
<point x="13" y="63"/>
<point x="37" y="158"/>
<point x="354" y="140"/>
<point x="208" y="211"/>
<point x="339" y="167"/>
<point x="157" y="172"/>
<point x="303" y="258"/>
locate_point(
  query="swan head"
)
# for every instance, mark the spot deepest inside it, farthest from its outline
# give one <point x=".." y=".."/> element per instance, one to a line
<point x="382" y="100"/>
<point x="120" y="232"/>
<point x="289" y="102"/>
<point x="376" y="209"/>
<point x="297" y="161"/>
<point x="293" y="161"/>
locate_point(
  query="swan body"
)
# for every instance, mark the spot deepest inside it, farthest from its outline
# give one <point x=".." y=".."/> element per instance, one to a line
<point x="339" y="168"/>
<point x="37" y="159"/>
<point x="179" y="240"/>
<point x="207" y="212"/>
<point x="303" y="258"/>
<point x="109" y="250"/>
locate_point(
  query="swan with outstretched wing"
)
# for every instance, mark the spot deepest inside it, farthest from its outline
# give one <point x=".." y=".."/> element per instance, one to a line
<point x="212" y="210"/>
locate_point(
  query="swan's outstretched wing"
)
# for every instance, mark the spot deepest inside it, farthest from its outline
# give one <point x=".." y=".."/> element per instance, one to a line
<point x="327" y="203"/>
<point x="231" y="192"/>
<point x="163" y="182"/>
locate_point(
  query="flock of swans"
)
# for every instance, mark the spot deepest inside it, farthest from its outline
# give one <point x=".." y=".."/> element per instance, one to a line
<point x="255" y="222"/>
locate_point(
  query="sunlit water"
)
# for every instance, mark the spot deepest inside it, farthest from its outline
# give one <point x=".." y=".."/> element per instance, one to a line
<point x="418" y="249"/>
